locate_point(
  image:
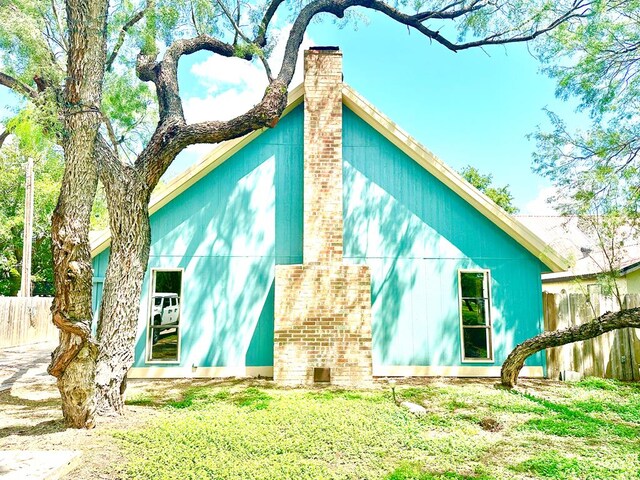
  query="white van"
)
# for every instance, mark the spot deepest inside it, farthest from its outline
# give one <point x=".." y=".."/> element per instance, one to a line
<point x="165" y="310"/>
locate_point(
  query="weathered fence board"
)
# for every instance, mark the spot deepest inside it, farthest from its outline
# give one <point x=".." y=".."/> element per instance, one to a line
<point x="612" y="355"/>
<point x="25" y="320"/>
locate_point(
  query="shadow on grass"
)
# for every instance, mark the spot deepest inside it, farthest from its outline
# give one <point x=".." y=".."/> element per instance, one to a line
<point x="572" y="422"/>
<point x="182" y="393"/>
<point x="42" y="428"/>
<point x="7" y="399"/>
<point x="200" y="397"/>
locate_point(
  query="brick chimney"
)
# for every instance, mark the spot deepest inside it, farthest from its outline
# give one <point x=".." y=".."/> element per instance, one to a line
<point x="322" y="324"/>
<point x="322" y="156"/>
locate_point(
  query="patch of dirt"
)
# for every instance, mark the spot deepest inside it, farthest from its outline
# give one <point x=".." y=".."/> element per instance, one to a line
<point x="490" y="425"/>
<point x="31" y="419"/>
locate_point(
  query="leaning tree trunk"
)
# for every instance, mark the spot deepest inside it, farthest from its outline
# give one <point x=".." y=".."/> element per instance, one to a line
<point x="605" y="323"/>
<point x="73" y="361"/>
<point x="130" y="236"/>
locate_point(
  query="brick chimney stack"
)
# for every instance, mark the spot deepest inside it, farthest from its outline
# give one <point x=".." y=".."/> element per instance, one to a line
<point x="322" y="156"/>
<point x="322" y="317"/>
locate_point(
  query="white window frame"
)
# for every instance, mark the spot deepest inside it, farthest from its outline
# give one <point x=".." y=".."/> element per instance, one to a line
<point x="149" y="329"/>
<point x="489" y="321"/>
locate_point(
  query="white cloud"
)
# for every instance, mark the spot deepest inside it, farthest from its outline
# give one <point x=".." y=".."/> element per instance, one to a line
<point x="221" y="106"/>
<point x="233" y="85"/>
<point x="540" y="204"/>
<point x="217" y="73"/>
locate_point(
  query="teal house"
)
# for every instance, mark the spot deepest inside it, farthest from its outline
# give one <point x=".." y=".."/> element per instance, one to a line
<point x="332" y="247"/>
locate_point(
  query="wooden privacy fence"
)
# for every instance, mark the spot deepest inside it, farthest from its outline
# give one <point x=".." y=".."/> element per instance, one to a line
<point x="613" y="355"/>
<point x="25" y="320"/>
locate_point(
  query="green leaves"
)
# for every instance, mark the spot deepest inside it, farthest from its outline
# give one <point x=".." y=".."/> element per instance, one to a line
<point x="48" y="174"/>
<point x="501" y="195"/>
<point x="129" y="105"/>
<point x="31" y="39"/>
<point x="596" y="60"/>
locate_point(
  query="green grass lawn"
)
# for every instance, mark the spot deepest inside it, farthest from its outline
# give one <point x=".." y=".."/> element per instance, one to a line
<point x="473" y="430"/>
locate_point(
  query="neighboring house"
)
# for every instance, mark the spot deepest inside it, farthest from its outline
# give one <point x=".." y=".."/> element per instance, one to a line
<point x="587" y="259"/>
<point x="333" y="247"/>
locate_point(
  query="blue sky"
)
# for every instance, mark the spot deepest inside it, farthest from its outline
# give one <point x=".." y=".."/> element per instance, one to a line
<point x="469" y="108"/>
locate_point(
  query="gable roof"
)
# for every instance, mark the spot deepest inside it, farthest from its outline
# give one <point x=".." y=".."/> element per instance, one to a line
<point x="397" y="137"/>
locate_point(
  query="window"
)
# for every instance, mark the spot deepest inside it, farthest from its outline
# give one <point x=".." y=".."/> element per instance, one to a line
<point x="475" y="316"/>
<point x="164" y="316"/>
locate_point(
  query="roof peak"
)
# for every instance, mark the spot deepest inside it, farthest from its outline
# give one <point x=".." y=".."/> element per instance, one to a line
<point x="393" y="133"/>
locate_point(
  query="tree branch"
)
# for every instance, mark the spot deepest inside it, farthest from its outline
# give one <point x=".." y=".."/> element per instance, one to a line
<point x="579" y="8"/>
<point x="240" y="33"/>
<point x="193" y="19"/>
<point x="605" y="323"/>
<point x="18" y="86"/>
<point x="173" y="135"/>
<point x="171" y="138"/>
<point x="234" y="24"/>
<point x="444" y="14"/>
<point x="164" y="74"/>
<point x="112" y="135"/>
<point x="123" y="32"/>
<point x="261" y="37"/>
<point x="59" y="25"/>
<point x="4" y="135"/>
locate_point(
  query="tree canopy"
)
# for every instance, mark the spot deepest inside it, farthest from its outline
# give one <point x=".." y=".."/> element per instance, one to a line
<point x="27" y="141"/>
<point x="47" y="175"/>
<point x="596" y="171"/>
<point x="597" y="63"/>
<point x="501" y="195"/>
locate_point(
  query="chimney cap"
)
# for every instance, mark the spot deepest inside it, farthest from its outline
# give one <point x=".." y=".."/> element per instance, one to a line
<point x="325" y="48"/>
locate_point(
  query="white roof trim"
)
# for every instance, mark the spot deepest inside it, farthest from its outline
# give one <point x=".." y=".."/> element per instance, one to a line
<point x="453" y="180"/>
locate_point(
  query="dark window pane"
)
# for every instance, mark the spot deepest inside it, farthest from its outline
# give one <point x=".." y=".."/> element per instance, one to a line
<point x="164" y="344"/>
<point x="476" y="344"/>
<point x="168" y="282"/>
<point x="472" y="284"/>
<point x="474" y="311"/>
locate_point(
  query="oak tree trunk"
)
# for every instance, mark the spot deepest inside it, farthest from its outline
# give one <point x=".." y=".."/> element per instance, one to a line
<point x="605" y="323"/>
<point x="73" y="361"/>
<point x="117" y="327"/>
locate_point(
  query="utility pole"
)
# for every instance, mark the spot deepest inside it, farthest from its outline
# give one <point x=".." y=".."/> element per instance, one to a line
<point x="25" y="287"/>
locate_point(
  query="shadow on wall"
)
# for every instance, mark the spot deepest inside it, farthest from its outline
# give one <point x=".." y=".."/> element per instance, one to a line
<point x="427" y="232"/>
<point x="414" y="268"/>
<point x="413" y="323"/>
<point x="222" y="234"/>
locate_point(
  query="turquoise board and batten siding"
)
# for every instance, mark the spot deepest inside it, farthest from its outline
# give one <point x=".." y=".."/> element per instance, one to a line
<point x="415" y="234"/>
<point x="227" y="232"/>
<point x="230" y="229"/>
